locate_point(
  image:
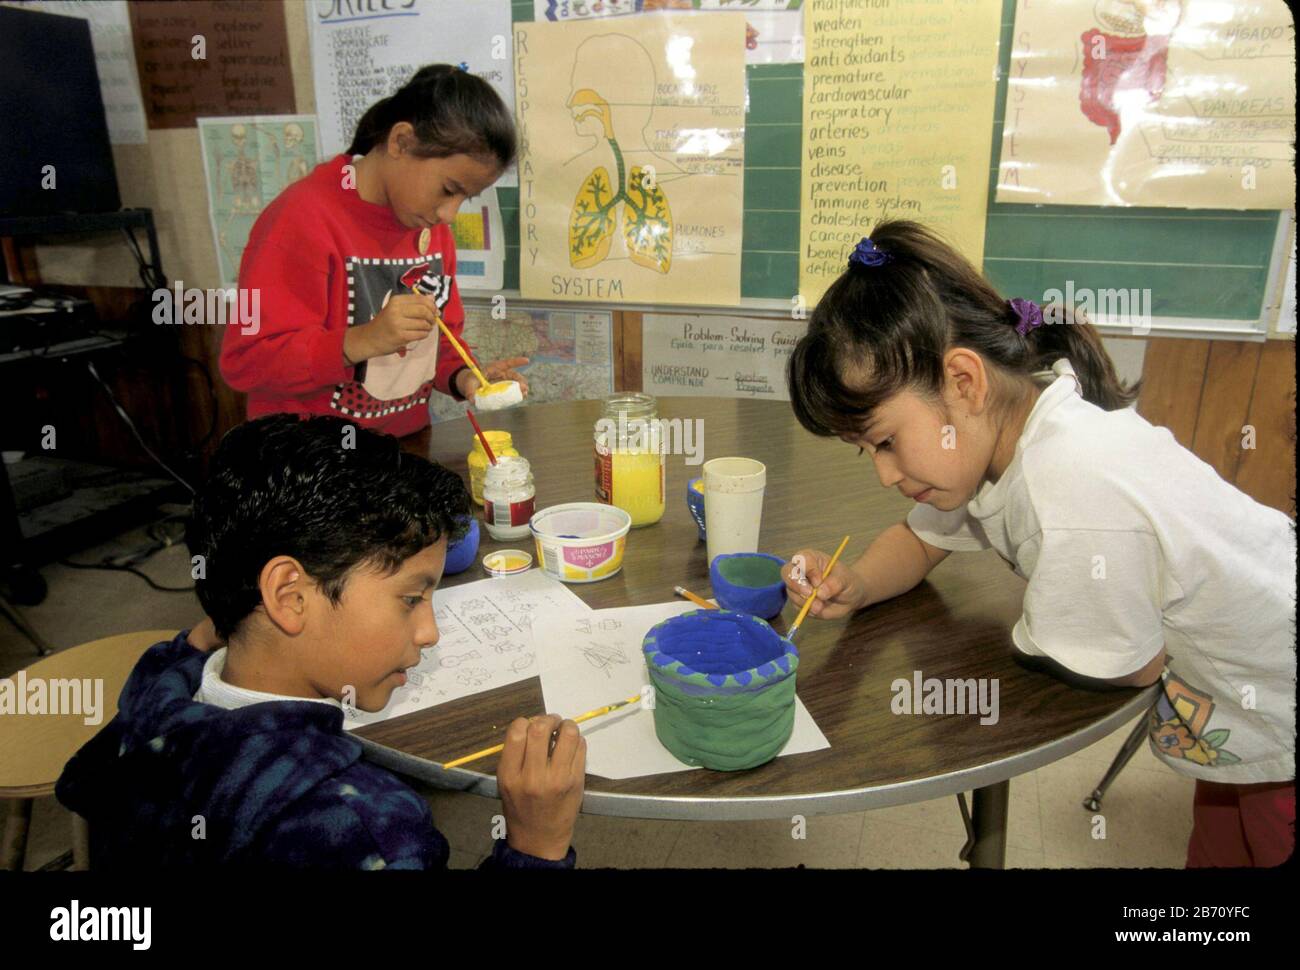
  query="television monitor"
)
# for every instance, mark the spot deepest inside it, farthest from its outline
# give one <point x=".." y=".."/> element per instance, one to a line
<point x="52" y="114"/>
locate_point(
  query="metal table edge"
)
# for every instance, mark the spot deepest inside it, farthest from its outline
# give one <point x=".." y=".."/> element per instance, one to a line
<point x="744" y="808"/>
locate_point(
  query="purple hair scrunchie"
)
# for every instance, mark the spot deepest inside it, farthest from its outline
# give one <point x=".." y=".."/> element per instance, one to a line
<point x="865" y="253"/>
<point x="1030" y="314"/>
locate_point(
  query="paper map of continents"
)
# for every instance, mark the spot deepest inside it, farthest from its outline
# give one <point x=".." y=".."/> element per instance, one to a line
<point x="1187" y="103"/>
<point x="570" y="353"/>
<point x="632" y="149"/>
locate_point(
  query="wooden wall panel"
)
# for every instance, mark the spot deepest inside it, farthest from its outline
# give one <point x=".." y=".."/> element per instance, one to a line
<point x="1267" y="473"/>
<point x="1225" y="402"/>
<point x="1173" y="372"/>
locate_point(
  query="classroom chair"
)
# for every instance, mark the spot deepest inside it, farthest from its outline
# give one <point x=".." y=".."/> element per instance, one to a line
<point x="35" y="747"/>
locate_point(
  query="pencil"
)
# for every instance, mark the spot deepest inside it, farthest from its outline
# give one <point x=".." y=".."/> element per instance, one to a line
<point x="697" y="600"/>
<point x="497" y="748"/>
<point x="809" y="601"/>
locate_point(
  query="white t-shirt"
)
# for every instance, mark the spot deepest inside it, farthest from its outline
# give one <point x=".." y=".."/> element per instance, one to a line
<point x="1129" y="543"/>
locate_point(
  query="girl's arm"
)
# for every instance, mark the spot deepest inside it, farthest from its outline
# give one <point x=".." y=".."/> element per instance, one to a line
<point x="1145" y="677"/>
<point x="896" y="562"/>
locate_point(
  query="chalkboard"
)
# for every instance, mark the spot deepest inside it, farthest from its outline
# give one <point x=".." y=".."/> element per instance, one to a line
<point x="1197" y="263"/>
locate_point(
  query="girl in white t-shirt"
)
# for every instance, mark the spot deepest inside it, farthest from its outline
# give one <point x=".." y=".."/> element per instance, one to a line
<point x="1006" y="423"/>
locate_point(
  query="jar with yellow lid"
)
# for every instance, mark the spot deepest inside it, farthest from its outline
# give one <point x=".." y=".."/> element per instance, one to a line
<point x="502" y="445"/>
<point x="630" y="457"/>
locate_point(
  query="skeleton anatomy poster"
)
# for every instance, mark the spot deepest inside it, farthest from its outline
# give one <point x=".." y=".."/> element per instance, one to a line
<point x="1151" y="102"/>
<point x="630" y="169"/>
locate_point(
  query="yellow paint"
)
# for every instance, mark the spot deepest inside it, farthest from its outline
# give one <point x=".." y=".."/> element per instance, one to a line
<point x="698" y="486"/>
<point x="638" y="485"/>
<point x="500" y="387"/>
<point x="505" y="561"/>
<point x="502" y="445"/>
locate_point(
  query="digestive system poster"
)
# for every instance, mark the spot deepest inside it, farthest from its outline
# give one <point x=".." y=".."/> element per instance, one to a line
<point x="632" y="148"/>
<point x="1187" y="103"/>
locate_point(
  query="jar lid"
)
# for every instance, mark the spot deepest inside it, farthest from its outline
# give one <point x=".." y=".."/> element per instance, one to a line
<point x="507" y="562"/>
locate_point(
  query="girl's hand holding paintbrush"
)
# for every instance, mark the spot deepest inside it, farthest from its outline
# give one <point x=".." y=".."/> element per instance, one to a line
<point x="840" y="593"/>
<point x="541" y="783"/>
<point x="405" y="319"/>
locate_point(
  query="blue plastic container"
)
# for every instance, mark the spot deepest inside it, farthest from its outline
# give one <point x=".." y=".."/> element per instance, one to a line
<point x="462" y="553"/>
<point x="695" y="502"/>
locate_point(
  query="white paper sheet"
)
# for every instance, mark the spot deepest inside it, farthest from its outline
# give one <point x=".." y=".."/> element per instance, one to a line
<point x="588" y="661"/>
<point x="360" y="57"/>
<point x="484" y="641"/>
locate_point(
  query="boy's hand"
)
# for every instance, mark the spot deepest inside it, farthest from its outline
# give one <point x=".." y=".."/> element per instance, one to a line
<point x="841" y="592"/>
<point x="496" y="370"/>
<point x="204" y="636"/>
<point x="541" y="788"/>
<point x="405" y="319"/>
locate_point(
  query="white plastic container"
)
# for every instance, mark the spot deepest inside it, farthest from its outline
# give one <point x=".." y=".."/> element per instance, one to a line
<point x="495" y="397"/>
<point x="581" y="542"/>
<point x="733" y="504"/>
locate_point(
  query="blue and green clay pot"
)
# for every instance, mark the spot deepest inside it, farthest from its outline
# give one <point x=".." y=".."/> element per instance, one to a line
<point x="724" y="688"/>
<point x="749" y="582"/>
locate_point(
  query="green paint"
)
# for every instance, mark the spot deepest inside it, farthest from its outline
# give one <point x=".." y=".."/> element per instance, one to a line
<point x="720" y="732"/>
<point x="754" y="572"/>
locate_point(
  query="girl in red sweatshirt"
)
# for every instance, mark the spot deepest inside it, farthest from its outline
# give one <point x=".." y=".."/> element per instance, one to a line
<point x="336" y="256"/>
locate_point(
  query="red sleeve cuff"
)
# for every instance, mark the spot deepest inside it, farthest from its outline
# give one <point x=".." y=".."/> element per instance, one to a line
<point x="325" y="358"/>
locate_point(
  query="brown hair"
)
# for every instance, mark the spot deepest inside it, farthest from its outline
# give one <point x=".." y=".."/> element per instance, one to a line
<point x="453" y="113"/>
<point x="895" y="322"/>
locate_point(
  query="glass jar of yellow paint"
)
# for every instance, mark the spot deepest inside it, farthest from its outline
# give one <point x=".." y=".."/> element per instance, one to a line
<point x="630" y="457"/>
<point x="502" y="445"/>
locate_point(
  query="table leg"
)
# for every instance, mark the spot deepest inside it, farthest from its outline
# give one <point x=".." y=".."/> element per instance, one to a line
<point x="13" y="850"/>
<point x="989" y="818"/>
<point x="80" y="843"/>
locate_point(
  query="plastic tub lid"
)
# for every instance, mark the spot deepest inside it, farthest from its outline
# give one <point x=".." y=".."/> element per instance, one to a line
<point x="507" y="562"/>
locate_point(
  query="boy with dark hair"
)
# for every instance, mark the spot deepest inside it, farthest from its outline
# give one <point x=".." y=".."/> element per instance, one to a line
<point x="321" y="546"/>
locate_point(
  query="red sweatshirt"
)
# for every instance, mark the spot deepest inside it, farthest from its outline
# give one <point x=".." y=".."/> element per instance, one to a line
<point x="324" y="260"/>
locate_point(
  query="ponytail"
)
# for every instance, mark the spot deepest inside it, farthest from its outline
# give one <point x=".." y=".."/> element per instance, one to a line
<point x="452" y="111"/>
<point x="886" y="323"/>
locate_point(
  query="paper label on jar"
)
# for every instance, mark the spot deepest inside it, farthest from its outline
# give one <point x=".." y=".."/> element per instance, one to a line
<point x="500" y="515"/>
<point x="604" y="475"/>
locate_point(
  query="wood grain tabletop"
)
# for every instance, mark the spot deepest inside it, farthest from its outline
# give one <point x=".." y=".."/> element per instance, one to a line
<point x="955" y="624"/>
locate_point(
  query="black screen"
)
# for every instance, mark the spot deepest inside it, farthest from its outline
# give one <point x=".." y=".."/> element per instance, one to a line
<point x="52" y="114"/>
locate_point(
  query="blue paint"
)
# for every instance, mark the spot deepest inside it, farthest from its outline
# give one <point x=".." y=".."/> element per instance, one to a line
<point x="462" y="552"/>
<point x="718" y="643"/>
<point x="765" y="601"/>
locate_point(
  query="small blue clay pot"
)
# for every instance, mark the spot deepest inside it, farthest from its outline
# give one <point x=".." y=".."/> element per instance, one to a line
<point x="749" y="582"/>
<point x="695" y="502"/>
<point x="462" y="553"/>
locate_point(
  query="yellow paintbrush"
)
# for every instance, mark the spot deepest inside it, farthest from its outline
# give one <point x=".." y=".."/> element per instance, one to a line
<point x="495" y="749"/>
<point x="809" y="601"/>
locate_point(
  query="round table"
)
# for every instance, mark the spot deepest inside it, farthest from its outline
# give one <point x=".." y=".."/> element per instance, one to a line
<point x="955" y="625"/>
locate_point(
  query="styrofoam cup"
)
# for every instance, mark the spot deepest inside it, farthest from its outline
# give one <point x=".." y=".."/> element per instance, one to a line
<point x="733" y="504"/>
